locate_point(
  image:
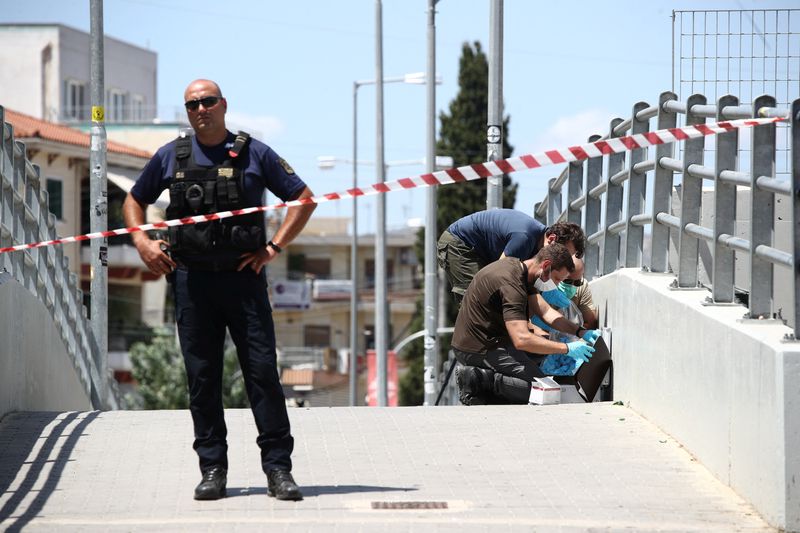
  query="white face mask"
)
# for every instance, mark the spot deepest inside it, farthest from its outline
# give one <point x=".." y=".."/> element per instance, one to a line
<point x="544" y="286"/>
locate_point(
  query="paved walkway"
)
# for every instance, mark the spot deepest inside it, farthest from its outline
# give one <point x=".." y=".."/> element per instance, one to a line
<point x="563" y="468"/>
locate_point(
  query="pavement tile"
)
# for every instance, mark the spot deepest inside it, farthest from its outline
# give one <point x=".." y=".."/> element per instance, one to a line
<point x="564" y="468"/>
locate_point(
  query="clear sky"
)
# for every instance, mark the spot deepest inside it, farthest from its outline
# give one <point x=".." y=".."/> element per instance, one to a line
<point x="287" y="69"/>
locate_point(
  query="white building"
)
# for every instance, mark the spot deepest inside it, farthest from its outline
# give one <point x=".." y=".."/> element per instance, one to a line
<point x="45" y="74"/>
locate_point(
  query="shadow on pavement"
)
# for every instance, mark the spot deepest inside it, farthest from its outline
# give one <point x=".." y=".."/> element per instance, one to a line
<point x="319" y="490"/>
<point x="25" y="429"/>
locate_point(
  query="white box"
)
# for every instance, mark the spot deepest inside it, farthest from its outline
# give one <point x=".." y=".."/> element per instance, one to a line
<point x="545" y="391"/>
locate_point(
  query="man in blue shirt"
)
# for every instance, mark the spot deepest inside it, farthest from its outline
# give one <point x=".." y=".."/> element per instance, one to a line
<point x="474" y="241"/>
<point x="217" y="277"/>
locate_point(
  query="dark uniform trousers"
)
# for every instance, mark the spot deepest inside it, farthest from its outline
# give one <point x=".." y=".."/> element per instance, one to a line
<point x="205" y="304"/>
<point x="514" y="370"/>
<point x="459" y="261"/>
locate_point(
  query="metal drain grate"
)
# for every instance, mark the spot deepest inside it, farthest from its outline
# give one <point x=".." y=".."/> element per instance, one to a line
<point x="409" y="505"/>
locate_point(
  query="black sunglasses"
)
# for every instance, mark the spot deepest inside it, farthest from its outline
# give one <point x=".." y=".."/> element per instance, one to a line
<point x="574" y="282"/>
<point x="207" y="101"/>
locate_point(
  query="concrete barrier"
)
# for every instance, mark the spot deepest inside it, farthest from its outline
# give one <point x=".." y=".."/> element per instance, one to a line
<point x="728" y="389"/>
<point x="36" y="372"/>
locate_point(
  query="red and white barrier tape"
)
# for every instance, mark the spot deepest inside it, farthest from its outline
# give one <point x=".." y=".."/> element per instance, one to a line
<point x="453" y="175"/>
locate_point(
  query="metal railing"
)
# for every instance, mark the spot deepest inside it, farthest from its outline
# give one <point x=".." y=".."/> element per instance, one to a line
<point x="613" y="206"/>
<point x="296" y="356"/>
<point x="44" y="272"/>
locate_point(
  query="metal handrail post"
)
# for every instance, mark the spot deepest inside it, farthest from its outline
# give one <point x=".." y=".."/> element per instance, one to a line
<point x="536" y="215"/>
<point x="553" y="202"/>
<point x="574" y="190"/>
<point x="795" y="125"/>
<point x="611" y="244"/>
<point x="762" y="212"/>
<point x="691" y="198"/>
<point x="662" y="189"/>
<point x="723" y="258"/>
<point x="18" y="209"/>
<point x="594" y="174"/>
<point x="5" y="211"/>
<point x="637" y="190"/>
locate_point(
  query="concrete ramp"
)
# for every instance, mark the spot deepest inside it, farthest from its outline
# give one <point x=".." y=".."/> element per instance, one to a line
<point x="724" y="387"/>
<point x="568" y="467"/>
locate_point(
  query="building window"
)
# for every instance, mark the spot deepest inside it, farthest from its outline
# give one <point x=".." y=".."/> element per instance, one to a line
<point x="369" y="273"/>
<point x="137" y="108"/>
<point x="76" y="100"/>
<point x="117" y="103"/>
<point x="55" y="193"/>
<point x="316" y="336"/>
<point x="318" y="267"/>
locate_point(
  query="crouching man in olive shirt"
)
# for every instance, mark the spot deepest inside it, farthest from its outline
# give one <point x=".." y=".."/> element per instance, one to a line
<point x="492" y="338"/>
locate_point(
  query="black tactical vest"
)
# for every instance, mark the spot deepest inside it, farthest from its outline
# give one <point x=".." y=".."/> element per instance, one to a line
<point x="196" y="190"/>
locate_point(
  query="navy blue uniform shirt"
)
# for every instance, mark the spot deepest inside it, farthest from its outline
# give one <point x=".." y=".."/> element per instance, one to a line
<point x="263" y="168"/>
<point x="499" y="231"/>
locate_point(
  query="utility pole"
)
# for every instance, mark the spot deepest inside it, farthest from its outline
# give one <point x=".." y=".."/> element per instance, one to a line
<point x="98" y="200"/>
<point x="431" y="274"/>
<point x="354" y="263"/>
<point x="494" y="129"/>
<point x="381" y="299"/>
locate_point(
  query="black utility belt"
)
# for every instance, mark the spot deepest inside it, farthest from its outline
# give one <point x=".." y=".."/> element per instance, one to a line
<point x="216" y="265"/>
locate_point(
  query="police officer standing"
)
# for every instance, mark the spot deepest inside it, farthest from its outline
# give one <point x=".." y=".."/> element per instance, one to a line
<point x="217" y="277"/>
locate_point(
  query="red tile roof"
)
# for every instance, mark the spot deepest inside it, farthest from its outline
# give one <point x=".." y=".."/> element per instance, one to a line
<point x="28" y="126"/>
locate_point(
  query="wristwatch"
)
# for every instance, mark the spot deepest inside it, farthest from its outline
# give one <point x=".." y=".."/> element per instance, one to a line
<point x="275" y="247"/>
<point x="578" y="331"/>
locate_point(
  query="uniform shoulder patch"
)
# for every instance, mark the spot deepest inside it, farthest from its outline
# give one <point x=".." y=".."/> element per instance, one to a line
<point x="286" y="166"/>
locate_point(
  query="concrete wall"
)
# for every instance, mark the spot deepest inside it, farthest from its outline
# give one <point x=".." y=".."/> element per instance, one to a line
<point x="725" y="388"/>
<point x="36" y="373"/>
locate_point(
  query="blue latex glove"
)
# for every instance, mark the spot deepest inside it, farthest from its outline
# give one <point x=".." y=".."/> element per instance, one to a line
<point x="559" y="364"/>
<point x="580" y="351"/>
<point x="556" y="298"/>
<point x="591" y="335"/>
<point x="539" y="322"/>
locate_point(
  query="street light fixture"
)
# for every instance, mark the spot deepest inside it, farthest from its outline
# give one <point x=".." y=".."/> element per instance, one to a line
<point x="328" y="162"/>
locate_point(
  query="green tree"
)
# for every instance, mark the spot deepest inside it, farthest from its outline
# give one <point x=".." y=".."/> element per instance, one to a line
<point x="158" y="368"/>
<point x="462" y="135"/>
<point x="411" y="383"/>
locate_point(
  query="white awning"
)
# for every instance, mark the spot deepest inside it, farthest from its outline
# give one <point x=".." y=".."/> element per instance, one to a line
<point x="126" y="184"/>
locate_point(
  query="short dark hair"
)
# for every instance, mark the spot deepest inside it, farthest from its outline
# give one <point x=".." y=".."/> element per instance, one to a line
<point x="558" y="255"/>
<point x="568" y="232"/>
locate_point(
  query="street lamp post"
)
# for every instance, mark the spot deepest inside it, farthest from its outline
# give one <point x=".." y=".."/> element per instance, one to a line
<point x="494" y="129"/>
<point x="431" y="347"/>
<point x="415" y="78"/>
<point x="328" y="162"/>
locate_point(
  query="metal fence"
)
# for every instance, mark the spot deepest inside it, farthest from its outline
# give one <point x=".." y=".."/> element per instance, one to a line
<point x="25" y="218"/>
<point x="609" y="197"/>
<point x="743" y="52"/>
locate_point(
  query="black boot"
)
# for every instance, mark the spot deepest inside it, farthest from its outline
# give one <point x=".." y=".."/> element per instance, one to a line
<point x="212" y="486"/>
<point x="474" y="384"/>
<point x="281" y="485"/>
